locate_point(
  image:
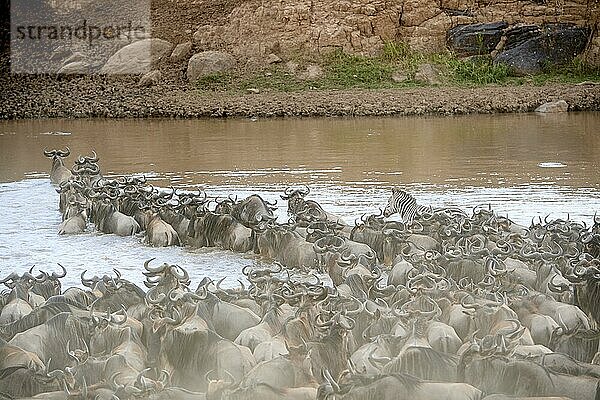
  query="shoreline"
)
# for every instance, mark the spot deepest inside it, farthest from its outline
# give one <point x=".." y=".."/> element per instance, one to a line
<point x="27" y="97"/>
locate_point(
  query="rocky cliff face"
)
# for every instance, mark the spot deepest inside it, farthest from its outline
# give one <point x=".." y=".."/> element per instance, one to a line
<point x="299" y="27"/>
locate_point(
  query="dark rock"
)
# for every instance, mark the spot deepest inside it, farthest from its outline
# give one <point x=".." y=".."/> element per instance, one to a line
<point x="529" y="49"/>
<point x="475" y="39"/>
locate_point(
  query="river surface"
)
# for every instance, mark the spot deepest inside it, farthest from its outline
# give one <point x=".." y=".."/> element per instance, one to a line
<point x="522" y="165"/>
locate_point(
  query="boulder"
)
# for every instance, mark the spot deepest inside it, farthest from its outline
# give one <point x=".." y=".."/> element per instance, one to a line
<point x="74" y="58"/>
<point x="61" y="52"/>
<point x="75" y="68"/>
<point x="400" y="76"/>
<point x="273" y="59"/>
<point x="207" y="63"/>
<point x="428" y="73"/>
<point x="150" y="78"/>
<point x="475" y="39"/>
<point x="137" y="57"/>
<point x="553" y="107"/>
<point x="313" y="72"/>
<point x="291" y="67"/>
<point x="528" y="49"/>
<point x="181" y="51"/>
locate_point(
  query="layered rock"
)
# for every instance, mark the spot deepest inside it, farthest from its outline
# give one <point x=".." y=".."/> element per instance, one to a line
<point x="529" y="49"/>
<point x="291" y="27"/>
<point x="476" y="39"/>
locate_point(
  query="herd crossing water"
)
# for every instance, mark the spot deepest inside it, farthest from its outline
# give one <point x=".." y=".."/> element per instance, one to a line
<point x="467" y="301"/>
<point x="523" y="165"/>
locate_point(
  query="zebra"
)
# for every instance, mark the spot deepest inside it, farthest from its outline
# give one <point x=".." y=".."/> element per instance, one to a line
<point x="403" y="203"/>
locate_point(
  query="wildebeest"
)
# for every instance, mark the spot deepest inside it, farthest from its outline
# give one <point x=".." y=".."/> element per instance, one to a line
<point x="285" y="245"/>
<point x="216" y="230"/>
<point x="109" y="220"/>
<point x="253" y="210"/>
<point x="500" y="374"/>
<point x="59" y="173"/>
<point x="76" y="218"/>
<point x="394" y="386"/>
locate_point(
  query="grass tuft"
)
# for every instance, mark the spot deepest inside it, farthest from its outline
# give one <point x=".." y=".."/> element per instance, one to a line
<point x="345" y="71"/>
<point x="478" y="71"/>
<point x="349" y="71"/>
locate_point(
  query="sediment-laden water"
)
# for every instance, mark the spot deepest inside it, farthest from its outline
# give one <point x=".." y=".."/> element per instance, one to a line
<point x="522" y="165"/>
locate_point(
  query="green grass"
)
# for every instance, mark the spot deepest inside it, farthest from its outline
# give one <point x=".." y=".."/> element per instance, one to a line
<point x="219" y="81"/>
<point x="349" y="71"/>
<point x="344" y="71"/>
<point x="574" y="72"/>
<point x="477" y="71"/>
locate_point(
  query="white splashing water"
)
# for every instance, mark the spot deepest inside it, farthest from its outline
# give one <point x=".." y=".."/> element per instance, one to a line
<point x="30" y="218"/>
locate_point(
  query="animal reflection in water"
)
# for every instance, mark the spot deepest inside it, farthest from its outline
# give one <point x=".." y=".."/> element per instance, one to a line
<point x="445" y="305"/>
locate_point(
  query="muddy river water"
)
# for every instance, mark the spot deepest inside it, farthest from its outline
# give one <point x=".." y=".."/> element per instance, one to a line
<point x="523" y="165"/>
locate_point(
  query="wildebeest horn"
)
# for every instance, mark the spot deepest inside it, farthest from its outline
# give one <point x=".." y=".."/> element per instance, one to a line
<point x="92" y="159"/>
<point x="177" y="318"/>
<point x="77" y="169"/>
<point x="87" y="282"/>
<point x="159" y="298"/>
<point x="331" y="381"/>
<point x="304" y="192"/>
<point x="93" y="169"/>
<point x="320" y="323"/>
<point x="471" y="306"/>
<point x="117" y="273"/>
<point x="273" y="204"/>
<point x="147" y="266"/>
<point x="207" y="376"/>
<point x="181" y="276"/>
<point x="560" y="288"/>
<point x="65" y="153"/>
<point x="64" y="273"/>
<point x="50" y="153"/>
<point x="12" y="277"/>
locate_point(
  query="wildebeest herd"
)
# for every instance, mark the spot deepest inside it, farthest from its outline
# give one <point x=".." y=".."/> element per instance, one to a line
<point x="443" y="305"/>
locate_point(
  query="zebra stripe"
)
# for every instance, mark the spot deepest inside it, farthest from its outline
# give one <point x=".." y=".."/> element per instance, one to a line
<point x="405" y="205"/>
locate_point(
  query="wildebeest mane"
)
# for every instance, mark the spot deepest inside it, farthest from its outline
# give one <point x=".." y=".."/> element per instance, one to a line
<point x="425" y="363"/>
<point x="273" y="320"/>
<point x="409" y="382"/>
<point x="189" y="352"/>
<point x="507" y="375"/>
<point x="58" y="299"/>
<point x="581" y="345"/>
<point x="37" y="317"/>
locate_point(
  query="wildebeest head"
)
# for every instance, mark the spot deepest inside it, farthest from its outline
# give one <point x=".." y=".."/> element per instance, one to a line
<point x="295" y="198"/>
<point x="21" y="285"/>
<point x="165" y="277"/>
<point x="225" y="206"/>
<point x="104" y="285"/>
<point x="50" y="284"/>
<point x="57" y="154"/>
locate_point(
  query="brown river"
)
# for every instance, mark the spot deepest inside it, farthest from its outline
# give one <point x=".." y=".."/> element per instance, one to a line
<point x="524" y="165"/>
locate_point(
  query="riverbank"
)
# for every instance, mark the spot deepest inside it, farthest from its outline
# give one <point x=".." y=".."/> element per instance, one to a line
<point x="91" y="96"/>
